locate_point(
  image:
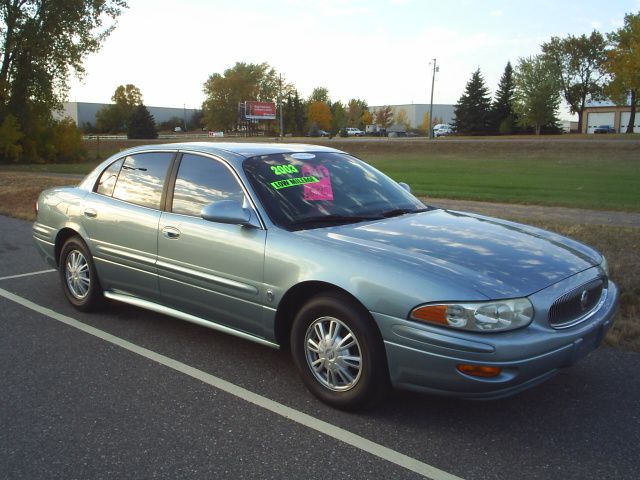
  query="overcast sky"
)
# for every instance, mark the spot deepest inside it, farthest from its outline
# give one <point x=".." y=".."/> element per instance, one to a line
<point x="376" y="50"/>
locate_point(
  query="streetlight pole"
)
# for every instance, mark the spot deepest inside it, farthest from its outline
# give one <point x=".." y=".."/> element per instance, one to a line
<point x="433" y="81"/>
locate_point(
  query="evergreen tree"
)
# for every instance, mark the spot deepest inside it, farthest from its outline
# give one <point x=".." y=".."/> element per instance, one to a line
<point x="503" y="117"/>
<point x="294" y="114"/>
<point x="141" y="124"/>
<point x="473" y="109"/>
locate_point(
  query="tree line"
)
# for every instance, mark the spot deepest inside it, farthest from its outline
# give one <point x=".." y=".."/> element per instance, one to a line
<point x="43" y="42"/>
<point x="574" y="68"/>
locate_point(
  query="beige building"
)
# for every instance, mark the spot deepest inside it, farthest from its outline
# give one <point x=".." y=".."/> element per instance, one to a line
<point x="606" y="113"/>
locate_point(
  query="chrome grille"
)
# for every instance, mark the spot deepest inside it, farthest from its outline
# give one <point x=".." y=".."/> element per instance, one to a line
<point x="577" y="303"/>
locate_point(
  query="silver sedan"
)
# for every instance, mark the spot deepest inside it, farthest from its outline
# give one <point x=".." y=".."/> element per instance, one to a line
<point x="308" y="248"/>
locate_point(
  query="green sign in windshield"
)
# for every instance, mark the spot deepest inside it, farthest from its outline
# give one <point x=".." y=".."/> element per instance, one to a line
<point x="292" y="182"/>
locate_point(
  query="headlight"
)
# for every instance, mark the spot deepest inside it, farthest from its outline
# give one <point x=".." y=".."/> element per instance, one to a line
<point x="605" y="265"/>
<point x="495" y="316"/>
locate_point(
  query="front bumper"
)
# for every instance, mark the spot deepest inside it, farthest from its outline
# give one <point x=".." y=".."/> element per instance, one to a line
<point x="425" y="358"/>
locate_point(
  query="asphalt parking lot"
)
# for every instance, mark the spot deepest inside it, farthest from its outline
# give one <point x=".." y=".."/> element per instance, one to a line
<point x="131" y="394"/>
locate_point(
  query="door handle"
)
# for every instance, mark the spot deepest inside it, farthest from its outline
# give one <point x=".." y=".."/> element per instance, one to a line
<point x="90" y="213"/>
<point x="171" y="232"/>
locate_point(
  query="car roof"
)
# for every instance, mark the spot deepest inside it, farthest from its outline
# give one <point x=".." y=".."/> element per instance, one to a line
<point x="234" y="150"/>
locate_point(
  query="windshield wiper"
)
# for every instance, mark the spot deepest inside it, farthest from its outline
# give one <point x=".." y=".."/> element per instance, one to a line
<point x="401" y="211"/>
<point x="335" y="219"/>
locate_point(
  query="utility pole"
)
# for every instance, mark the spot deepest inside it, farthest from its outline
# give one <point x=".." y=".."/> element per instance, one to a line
<point x="280" y="101"/>
<point x="184" y="116"/>
<point x="433" y="81"/>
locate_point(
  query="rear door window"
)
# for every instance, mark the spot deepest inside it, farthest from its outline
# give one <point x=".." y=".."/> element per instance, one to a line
<point x="142" y="178"/>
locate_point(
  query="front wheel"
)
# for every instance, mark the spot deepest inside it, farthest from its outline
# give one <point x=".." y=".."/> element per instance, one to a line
<point x="78" y="275"/>
<point x="338" y="351"/>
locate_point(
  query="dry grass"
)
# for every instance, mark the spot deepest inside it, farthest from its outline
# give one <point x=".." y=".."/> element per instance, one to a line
<point x="19" y="192"/>
<point x="621" y="246"/>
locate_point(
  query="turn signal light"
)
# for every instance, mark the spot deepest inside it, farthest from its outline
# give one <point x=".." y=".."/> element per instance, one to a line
<point x="431" y="313"/>
<point x="479" y="370"/>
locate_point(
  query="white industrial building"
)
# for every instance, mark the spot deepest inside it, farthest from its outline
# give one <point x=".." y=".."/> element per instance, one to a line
<point x="415" y="112"/>
<point x="83" y="112"/>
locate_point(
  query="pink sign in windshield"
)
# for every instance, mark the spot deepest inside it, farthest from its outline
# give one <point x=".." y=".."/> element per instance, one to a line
<point x="319" y="190"/>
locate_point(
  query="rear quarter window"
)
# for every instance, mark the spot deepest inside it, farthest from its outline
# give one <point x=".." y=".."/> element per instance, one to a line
<point x="141" y="179"/>
<point x="107" y="180"/>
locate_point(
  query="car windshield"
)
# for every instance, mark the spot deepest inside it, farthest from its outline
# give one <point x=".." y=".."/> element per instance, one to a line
<point x="308" y="190"/>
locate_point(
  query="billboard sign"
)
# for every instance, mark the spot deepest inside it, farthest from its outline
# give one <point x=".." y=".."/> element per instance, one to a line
<point x="259" y="110"/>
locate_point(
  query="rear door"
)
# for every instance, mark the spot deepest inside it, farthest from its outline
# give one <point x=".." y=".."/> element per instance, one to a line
<point x="121" y="218"/>
<point x="211" y="270"/>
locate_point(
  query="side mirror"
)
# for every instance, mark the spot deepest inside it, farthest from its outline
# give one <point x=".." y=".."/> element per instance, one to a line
<point x="405" y="186"/>
<point x="229" y="211"/>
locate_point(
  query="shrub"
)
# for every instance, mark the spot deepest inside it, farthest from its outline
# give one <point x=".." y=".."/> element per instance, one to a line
<point x="67" y="141"/>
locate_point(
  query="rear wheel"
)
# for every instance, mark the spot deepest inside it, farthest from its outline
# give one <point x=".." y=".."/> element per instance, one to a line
<point x="338" y="351"/>
<point x="78" y="275"/>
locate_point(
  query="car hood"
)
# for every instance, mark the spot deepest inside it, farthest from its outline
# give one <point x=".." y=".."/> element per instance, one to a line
<point x="497" y="258"/>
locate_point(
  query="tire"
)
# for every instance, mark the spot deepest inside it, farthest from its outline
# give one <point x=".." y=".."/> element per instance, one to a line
<point x="78" y="275"/>
<point x="339" y="353"/>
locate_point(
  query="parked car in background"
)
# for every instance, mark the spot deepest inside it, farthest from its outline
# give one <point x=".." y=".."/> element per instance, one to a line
<point x="354" y="132"/>
<point x="604" y="129"/>
<point x="318" y="133"/>
<point x="442" y="130"/>
<point x="308" y="248"/>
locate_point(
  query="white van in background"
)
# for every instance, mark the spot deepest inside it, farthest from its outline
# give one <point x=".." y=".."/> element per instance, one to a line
<point x="442" y="130"/>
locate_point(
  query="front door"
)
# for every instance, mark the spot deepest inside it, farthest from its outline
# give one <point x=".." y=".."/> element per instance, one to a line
<point x="211" y="270"/>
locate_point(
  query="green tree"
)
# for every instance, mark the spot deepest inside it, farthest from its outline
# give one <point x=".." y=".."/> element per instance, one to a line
<point x="10" y="136"/>
<point x="294" y="114"/>
<point x="320" y="94"/>
<point x="355" y="110"/>
<point x="195" y="121"/>
<point x="537" y="94"/>
<point x="128" y="96"/>
<point x="142" y="124"/>
<point x="243" y="82"/>
<point x="114" y="118"/>
<point x="473" y="108"/>
<point x="339" y="116"/>
<point x="503" y="117"/>
<point x="110" y="119"/>
<point x="41" y="43"/>
<point x="384" y="116"/>
<point x="623" y="63"/>
<point x="579" y="63"/>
